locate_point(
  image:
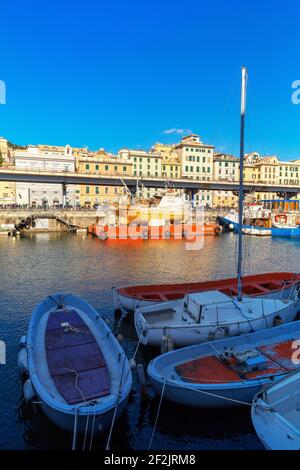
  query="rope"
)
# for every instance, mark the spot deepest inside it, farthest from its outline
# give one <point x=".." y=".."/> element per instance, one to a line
<point x="119" y="393"/>
<point x="75" y="430"/>
<point x="117" y="404"/>
<point x="93" y="426"/>
<point x="86" y="427"/>
<point x="157" y="414"/>
<point x="216" y="396"/>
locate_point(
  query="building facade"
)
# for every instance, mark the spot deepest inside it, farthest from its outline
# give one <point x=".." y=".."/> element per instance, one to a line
<point x="225" y="168"/>
<point x="102" y="163"/>
<point x="45" y="195"/>
<point x="196" y="163"/>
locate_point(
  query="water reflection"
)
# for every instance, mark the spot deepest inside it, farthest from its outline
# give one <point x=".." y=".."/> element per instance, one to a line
<point x="35" y="266"/>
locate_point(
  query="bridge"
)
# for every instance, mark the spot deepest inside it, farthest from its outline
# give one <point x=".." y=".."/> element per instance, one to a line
<point x="192" y="185"/>
<point x="29" y="221"/>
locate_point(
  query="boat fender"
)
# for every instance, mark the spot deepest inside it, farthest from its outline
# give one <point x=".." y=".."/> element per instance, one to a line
<point x="231" y="226"/>
<point x="277" y="320"/>
<point x="27" y="226"/>
<point x="132" y="363"/>
<point x="103" y="236"/>
<point x="120" y="338"/>
<point x="23" y="361"/>
<point x="28" y="391"/>
<point x="22" y="342"/>
<point x="167" y="344"/>
<point x="218" y="230"/>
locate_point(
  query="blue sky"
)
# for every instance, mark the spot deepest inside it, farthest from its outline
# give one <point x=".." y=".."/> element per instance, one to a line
<point x="121" y="73"/>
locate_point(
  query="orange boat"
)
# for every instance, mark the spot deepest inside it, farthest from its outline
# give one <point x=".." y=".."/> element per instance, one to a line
<point x="271" y="285"/>
<point x="164" y="232"/>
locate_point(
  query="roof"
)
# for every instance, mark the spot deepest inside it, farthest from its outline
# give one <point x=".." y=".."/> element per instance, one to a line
<point x="210" y="297"/>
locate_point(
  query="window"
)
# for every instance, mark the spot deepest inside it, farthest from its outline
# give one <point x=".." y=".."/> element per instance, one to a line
<point x="186" y="168"/>
<point x="97" y="167"/>
<point x="87" y="166"/>
<point x="106" y="190"/>
<point x="87" y="190"/>
<point x="106" y="168"/>
<point x="124" y="168"/>
<point x="116" y="168"/>
<point x="97" y="189"/>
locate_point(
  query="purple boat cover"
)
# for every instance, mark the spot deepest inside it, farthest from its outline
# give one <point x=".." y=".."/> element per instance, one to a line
<point x="76" y="363"/>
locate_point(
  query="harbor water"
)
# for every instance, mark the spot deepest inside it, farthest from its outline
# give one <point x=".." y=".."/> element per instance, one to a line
<point x="32" y="267"/>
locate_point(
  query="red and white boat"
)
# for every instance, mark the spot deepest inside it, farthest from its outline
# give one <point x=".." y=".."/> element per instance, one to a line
<point x="268" y="285"/>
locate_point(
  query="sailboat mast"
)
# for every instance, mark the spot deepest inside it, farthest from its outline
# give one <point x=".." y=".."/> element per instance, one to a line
<point x="241" y="185"/>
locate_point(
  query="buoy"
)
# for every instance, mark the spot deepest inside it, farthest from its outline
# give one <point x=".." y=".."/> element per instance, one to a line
<point x="120" y="338"/>
<point x="167" y="344"/>
<point x="23" y="361"/>
<point x="22" y="342"/>
<point x="132" y="363"/>
<point x="231" y="226"/>
<point x="28" y="391"/>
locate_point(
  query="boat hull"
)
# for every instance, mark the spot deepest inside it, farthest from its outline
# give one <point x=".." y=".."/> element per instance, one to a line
<point x="130" y="298"/>
<point x="273" y="433"/>
<point x="215" y="393"/>
<point x="186" y="336"/>
<point x="274" y="231"/>
<point x="100" y="423"/>
<point x="106" y="392"/>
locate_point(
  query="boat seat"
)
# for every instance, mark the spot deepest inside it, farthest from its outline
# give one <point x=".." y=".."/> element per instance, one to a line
<point x="280" y="352"/>
<point x="209" y="369"/>
<point x="75" y="361"/>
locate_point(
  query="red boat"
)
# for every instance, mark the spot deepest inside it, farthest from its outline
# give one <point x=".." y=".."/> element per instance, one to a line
<point x="271" y="285"/>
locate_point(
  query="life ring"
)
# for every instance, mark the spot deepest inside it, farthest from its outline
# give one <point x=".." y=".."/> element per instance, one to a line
<point x="280" y="218"/>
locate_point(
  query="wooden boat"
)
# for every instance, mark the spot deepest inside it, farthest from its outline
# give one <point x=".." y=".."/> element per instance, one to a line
<point x="269" y="285"/>
<point x="275" y="413"/>
<point x="77" y="368"/>
<point x="227" y="372"/>
<point x="210" y="315"/>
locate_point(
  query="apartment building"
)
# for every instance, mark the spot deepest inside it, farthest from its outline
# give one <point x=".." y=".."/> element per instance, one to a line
<point x="196" y="163"/>
<point x="105" y="164"/>
<point x="42" y="195"/>
<point x="144" y="164"/>
<point x="225" y="168"/>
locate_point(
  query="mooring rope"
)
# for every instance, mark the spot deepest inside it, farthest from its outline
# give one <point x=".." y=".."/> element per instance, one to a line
<point x="157" y="414"/>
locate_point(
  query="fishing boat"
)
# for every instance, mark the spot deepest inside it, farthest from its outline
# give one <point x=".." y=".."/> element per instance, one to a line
<point x="227" y="372"/>
<point x="275" y="413"/>
<point x="77" y="369"/>
<point x="277" y="225"/>
<point x="266" y="285"/>
<point x="207" y="316"/>
<point x="258" y="233"/>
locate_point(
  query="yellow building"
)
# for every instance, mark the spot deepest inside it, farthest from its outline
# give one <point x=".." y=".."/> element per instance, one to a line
<point x="171" y="167"/>
<point x="7" y="193"/>
<point x="144" y="165"/>
<point x="4" y="150"/>
<point x="101" y="163"/>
